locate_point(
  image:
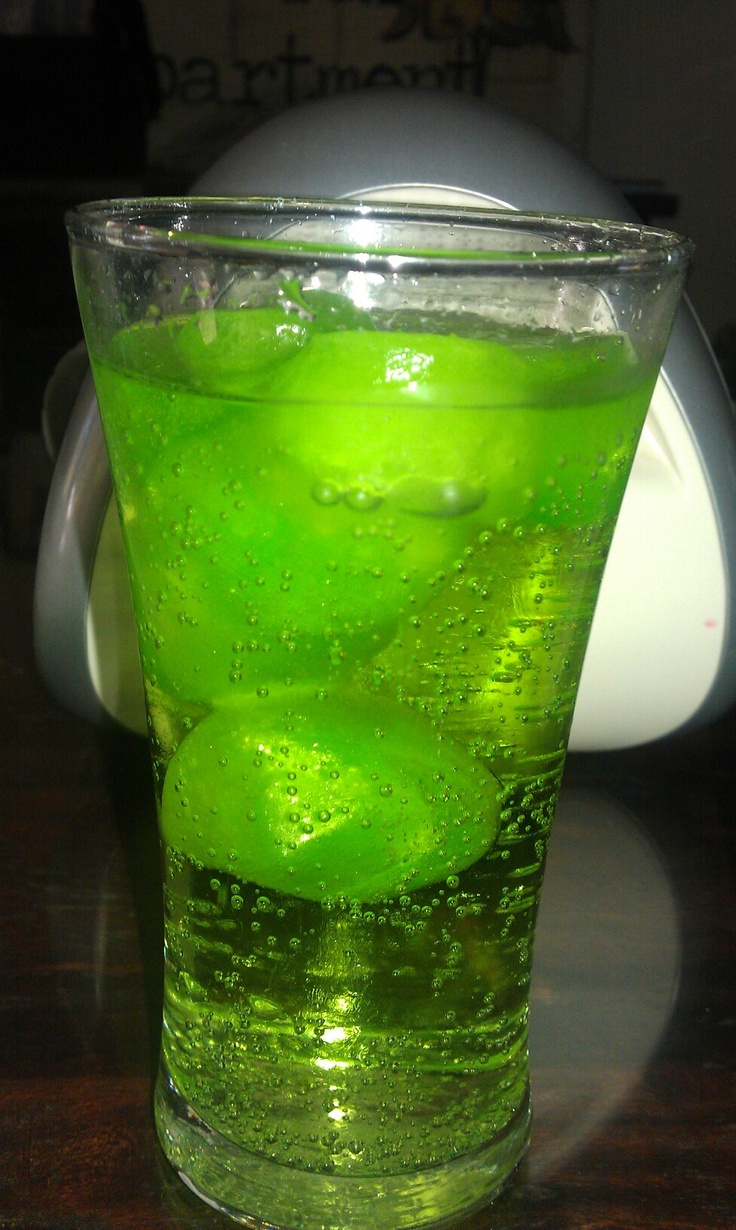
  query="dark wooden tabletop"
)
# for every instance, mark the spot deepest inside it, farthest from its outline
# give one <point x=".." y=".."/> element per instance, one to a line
<point x="634" y="1002"/>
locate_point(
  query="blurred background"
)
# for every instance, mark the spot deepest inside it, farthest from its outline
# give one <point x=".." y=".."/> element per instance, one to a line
<point x="107" y="98"/>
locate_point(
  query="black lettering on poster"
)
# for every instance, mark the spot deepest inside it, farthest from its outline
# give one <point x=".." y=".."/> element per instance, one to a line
<point x="463" y="37"/>
<point x="293" y="76"/>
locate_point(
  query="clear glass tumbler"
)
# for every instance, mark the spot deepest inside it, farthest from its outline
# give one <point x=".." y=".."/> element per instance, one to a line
<point x="368" y="463"/>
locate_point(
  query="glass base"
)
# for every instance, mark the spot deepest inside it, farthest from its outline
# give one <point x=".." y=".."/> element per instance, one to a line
<point x="266" y="1195"/>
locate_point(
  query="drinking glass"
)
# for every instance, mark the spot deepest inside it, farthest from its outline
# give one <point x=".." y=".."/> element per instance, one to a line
<point x="368" y="462"/>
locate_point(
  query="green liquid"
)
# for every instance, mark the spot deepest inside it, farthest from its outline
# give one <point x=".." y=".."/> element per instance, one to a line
<point x="364" y="567"/>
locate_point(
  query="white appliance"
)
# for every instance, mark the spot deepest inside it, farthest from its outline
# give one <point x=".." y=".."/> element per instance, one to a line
<point x="662" y="652"/>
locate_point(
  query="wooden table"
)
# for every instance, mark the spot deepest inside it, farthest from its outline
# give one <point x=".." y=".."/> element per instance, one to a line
<point x="634" y="1006"/>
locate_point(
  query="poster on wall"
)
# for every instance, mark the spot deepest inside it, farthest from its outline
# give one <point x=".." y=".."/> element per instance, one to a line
<point x="250" y="59"/>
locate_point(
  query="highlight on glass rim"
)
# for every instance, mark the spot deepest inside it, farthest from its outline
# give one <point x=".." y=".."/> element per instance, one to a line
<point x="368" y="463"/>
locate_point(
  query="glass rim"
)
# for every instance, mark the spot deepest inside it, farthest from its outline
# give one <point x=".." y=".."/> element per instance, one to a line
<point x="582" y="245"/>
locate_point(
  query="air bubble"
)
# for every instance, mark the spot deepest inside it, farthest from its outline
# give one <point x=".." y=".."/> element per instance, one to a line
<point x="326" y="492"/>
<point x="363" y="499"/>
<point x="431" y="497"/>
